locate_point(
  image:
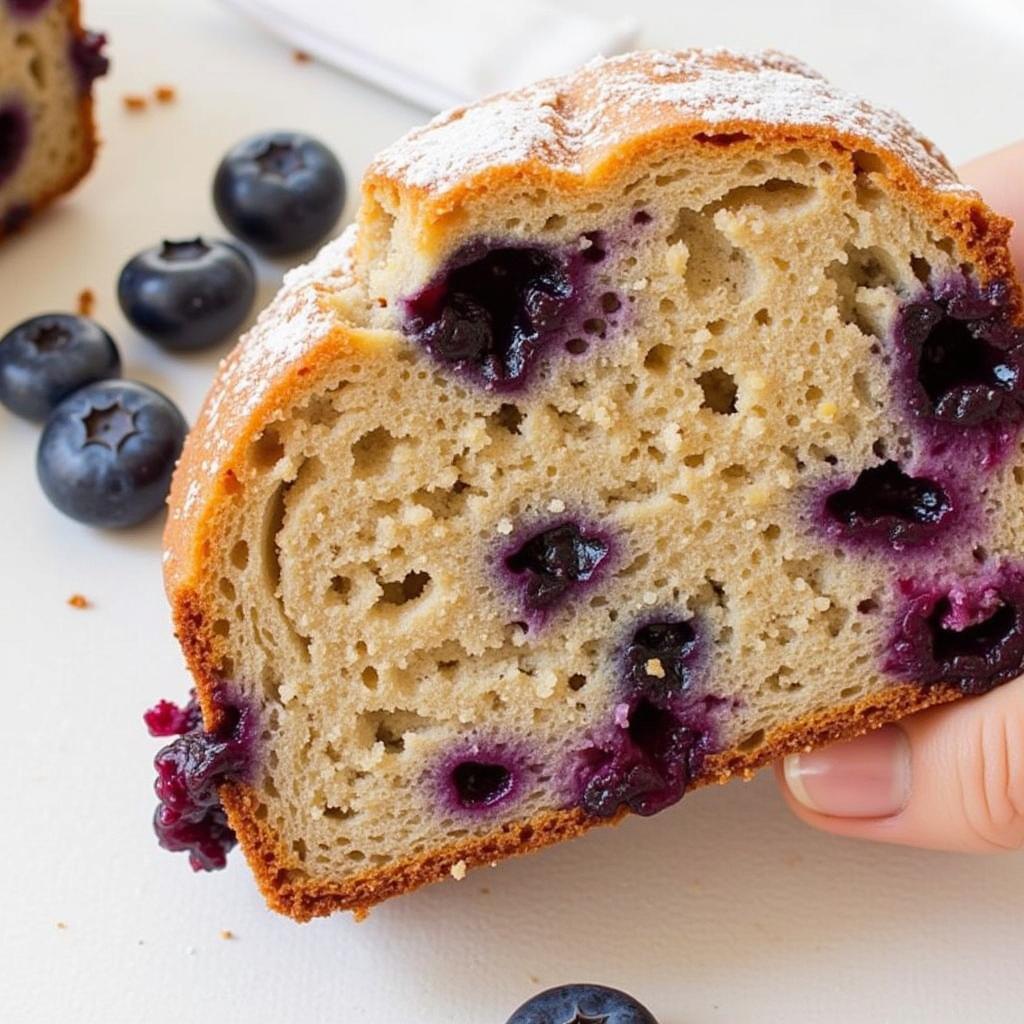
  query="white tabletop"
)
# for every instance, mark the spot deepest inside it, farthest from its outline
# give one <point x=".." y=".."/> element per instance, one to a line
<point x="722" y="910"/>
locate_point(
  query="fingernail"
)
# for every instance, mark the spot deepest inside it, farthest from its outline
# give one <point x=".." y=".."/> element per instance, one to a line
<point x="868" y="777"/>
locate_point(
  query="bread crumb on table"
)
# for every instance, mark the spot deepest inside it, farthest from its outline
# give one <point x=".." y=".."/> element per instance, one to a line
<point x="301" y="57"/>
<point x="86" y="302"/>
<point x="134" y="102"/>
<point x="227" y="934"/>
<point x="79" y="601"/>
<point x="62" y="926"/>
<point x="165" y="94"/>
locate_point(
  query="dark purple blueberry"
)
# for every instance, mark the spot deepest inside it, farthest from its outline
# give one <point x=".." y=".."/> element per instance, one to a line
<point x="662" y="656"/>
<point x="187" y="295"/>
<point x="479" y="784"/>
<point x="886" y="505"/>
<point x="479" y="777"/>
<point x="44" y="359"/>
<point x="108" y="451"/>
<point x="280" y="192"/>
<point x="964" y="357"/>
<point x="492" y="315"/>
<point x="645" y="767"/>
<point x="190" y="772"/>
<point x="582" y="1004"/>
<point x="14" y="136"/>
<point x="88" y="59"/>
<point x="658" y="739"/>
<point x="971" y="637"/>
<point x="553" y="562"/>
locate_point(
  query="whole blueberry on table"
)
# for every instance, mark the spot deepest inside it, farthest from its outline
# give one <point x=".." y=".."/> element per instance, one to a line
<point x="281" y="192"/>
<point x="189" y="294"/>
<point x="108" y="451"/>
<point x="582" y="1004"/>
<point x="44" y="359"/>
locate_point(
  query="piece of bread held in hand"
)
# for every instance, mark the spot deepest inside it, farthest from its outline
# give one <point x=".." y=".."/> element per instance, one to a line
<point x="650" y="423"/>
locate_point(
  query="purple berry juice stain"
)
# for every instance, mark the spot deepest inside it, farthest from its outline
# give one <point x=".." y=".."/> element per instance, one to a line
<point x="967" y="633"/>
<point x="662" y="728"/>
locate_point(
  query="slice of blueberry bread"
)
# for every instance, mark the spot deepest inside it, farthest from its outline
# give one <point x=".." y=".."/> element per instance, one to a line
<point x="48" y="63"/>
<point x="651" y="423"/>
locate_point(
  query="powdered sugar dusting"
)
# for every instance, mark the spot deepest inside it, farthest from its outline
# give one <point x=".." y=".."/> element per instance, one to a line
<point x="566" y="123"/>
<point x="496" y="134"/>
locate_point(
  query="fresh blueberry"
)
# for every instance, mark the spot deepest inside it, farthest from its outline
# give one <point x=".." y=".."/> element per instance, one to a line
<point x="582" y="1004"/>
<point x="553" y="562"/>
<point x="44" y="359"/>
<point x="190" y="771"/>
<point x="281" y="192"/>
<point x="492" y="316"/>
<point x="108" y="451"/>
<point x="885" y="504"/>
<point x="187" y="295"/>
<point x="14" y="135"/>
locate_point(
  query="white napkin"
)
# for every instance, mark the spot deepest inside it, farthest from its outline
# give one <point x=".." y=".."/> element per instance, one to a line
<point x="439" y="53"/>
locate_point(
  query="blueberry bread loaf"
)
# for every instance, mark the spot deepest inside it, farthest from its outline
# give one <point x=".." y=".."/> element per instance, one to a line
<point x="48" y="63"/>
<point x="650" y="423"/>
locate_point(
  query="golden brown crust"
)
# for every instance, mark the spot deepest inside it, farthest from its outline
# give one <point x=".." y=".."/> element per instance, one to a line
<point x="87" y="122"/>
<point x="299" y="339"/>
<point x="288" y="891"/>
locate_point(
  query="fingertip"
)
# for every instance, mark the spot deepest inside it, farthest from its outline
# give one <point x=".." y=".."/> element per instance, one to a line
<point x="864" y="778"/>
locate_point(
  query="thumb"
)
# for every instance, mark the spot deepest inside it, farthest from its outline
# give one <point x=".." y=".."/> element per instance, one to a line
<point x="951" y="778"/>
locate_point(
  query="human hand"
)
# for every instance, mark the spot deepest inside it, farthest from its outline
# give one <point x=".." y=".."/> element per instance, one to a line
<point x="951" y="778"/>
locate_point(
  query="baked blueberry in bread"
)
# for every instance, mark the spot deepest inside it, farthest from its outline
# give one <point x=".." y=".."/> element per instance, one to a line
<point x="649" y="424"/>
<point x="48" y="63"/>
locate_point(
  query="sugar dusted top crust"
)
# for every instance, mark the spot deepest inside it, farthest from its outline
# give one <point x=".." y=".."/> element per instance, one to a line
<point x="569" y="124"/>
<point x="562" y="127"/>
